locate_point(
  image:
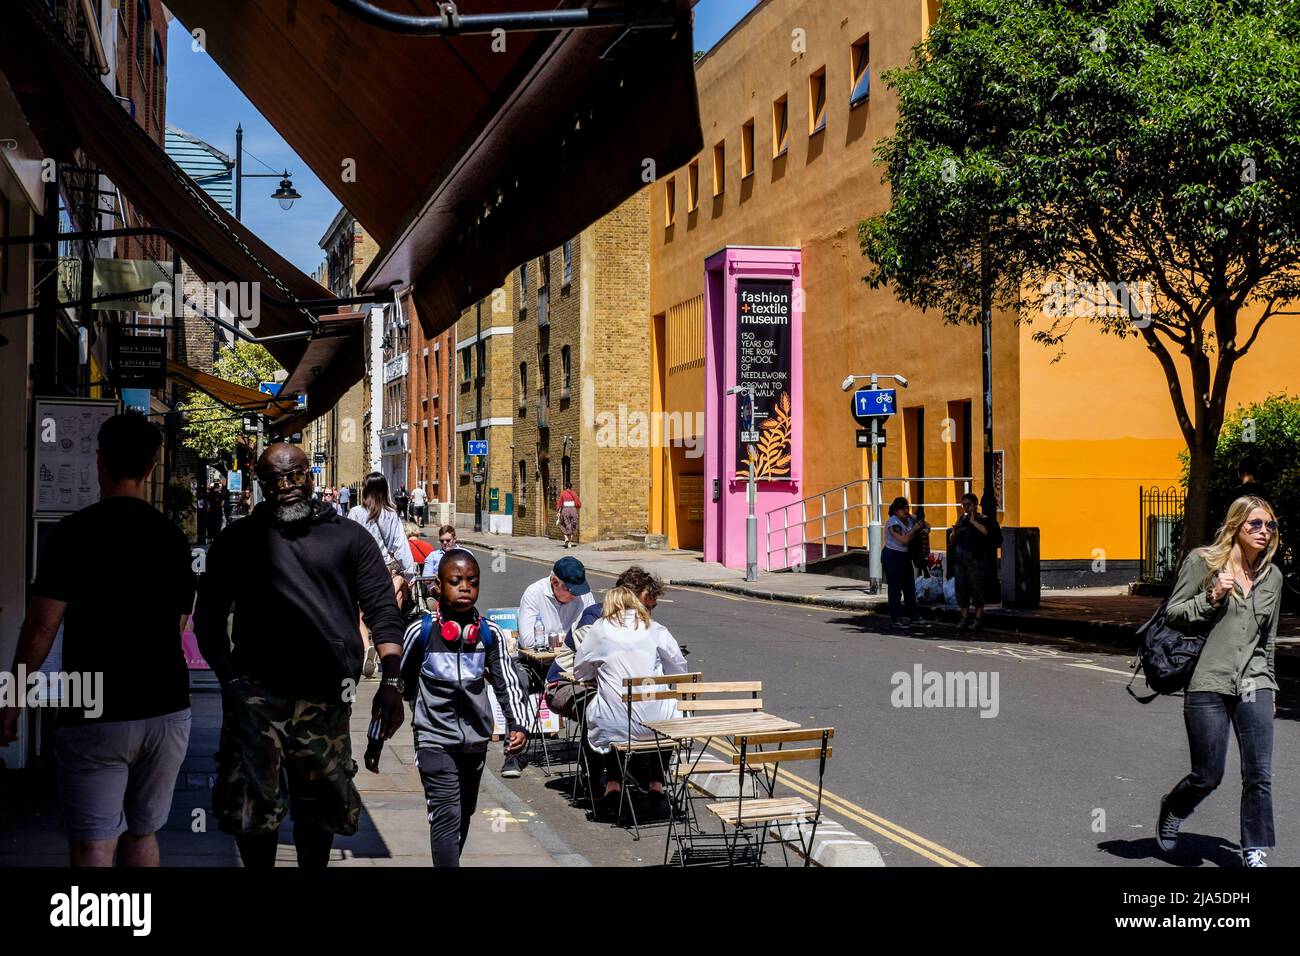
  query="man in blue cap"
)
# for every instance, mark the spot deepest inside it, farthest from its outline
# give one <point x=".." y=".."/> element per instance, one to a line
<point x="549" y="606"/>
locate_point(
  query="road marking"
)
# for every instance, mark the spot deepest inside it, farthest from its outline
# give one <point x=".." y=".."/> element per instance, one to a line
<point x="894" y="832"/>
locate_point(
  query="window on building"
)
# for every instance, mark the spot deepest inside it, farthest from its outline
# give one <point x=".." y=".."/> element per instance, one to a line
<point x="566" y="471"/>
<point x="142" y="30"/>
<point x="780" y="126"/>
<point x="464" y="452"/>
<point x="670" y="200"/>
<point x="481" y="348"/>
<point x="523" y="280"/>
<point x="720" y="168"/>
<point x="467" y="369"/>
<point x="546" y="379"/>
<point x="693" y="186"/>
<point x="747" y="150"/>
<point x="523" y="478"/>
<point x="817" y="101"/>
<point x="930" y="10"/>
<point x="523" y="386"/>
<point x="861" y="63"/>
<point x="567" y="251"/>
<point x="565" y="371"/>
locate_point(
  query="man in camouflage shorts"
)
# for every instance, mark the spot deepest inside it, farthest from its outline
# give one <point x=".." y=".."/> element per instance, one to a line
<point x="299" y="577"/>
<point x="268" y="740"/>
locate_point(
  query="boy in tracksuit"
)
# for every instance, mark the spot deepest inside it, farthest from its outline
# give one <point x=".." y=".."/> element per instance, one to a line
<point x="448" y="659"/>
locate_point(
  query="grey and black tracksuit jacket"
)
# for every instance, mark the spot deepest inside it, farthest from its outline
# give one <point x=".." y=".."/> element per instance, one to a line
<point x="447" y="684"/>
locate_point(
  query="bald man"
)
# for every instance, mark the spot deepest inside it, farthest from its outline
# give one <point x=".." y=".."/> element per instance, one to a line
<point x="298" y="576"/>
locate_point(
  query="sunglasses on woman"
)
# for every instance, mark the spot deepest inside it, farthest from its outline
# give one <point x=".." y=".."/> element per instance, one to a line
<point x="1254" y="524"/>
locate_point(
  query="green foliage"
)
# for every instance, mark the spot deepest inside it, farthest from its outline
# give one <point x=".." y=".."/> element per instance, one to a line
<point x="1267" y="435"/>
<point x="1117" y="140"/>
<point x="210" y="427"/>
<point x="1145" y="144"/>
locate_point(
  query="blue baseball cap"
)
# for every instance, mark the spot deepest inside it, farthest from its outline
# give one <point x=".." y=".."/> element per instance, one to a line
<point x="573" y="574"/>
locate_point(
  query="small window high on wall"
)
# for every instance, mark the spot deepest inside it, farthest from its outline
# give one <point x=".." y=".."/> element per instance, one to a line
<point x="780" y="126"/>
<point x="747" y="150"/>
<point x="817" y="101"/>
<point x="861" y="63"/>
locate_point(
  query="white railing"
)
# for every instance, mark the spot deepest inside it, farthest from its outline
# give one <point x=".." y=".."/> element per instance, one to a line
<point x="839" y="520"/>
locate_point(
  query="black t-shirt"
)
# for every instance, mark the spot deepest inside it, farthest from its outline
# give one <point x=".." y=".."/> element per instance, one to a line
<point x="125" y="573"/>
<point x="297" y="591"/>
<point x="966" y="538"/>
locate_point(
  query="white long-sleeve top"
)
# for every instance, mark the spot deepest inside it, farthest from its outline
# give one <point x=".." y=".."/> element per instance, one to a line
<point x="612" y="652"/>
<point x="539" y="603"/>
<point x="389" y="535"/>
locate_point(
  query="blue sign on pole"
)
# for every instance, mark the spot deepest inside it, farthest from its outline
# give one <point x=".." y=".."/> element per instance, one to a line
<point x="273" y="389"/>
<point x="873" y="402"/>
<point x="479" y="448"/>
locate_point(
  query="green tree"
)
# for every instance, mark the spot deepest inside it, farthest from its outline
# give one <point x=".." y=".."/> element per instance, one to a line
<point x="210" y="427"/>
<point x="1129" y="162"/>
<point x="1266" y="436"/>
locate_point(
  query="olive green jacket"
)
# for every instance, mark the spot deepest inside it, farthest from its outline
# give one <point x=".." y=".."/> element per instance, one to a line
<point x="1242" y="631"/>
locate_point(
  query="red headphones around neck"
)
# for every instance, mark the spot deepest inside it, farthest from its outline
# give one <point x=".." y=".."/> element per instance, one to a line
<point x="452" y="631"/>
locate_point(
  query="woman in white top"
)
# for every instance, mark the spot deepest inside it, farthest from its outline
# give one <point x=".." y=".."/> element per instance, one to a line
<point x="626" y="643"/>
<point x="379" y="516"/>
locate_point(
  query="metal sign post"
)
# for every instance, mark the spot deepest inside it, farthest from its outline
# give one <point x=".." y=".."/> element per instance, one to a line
<point x="870" y="406"/>
<point x="748" y="435"/>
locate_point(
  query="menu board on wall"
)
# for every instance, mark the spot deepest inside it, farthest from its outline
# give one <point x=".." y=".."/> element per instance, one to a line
<point x="67" y="434"/>
<point x="763" y="354"/>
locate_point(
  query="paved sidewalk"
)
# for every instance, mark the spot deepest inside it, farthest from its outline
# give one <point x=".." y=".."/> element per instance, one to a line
<point x="394" y="830"/>
<point x="1104" y="615"/>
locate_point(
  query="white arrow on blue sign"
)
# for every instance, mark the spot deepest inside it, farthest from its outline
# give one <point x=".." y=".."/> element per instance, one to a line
<point x="871" y="402"/>
<point x="479" y="447"/>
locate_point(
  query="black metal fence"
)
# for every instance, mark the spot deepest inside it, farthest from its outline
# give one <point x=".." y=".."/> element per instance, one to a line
<point x="1161" y="531"/>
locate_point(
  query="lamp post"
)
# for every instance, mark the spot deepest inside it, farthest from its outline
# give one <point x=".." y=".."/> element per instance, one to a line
<point x="746" y="393"/>
<point x="285" y="195"/>
<point x="874" y="540"/>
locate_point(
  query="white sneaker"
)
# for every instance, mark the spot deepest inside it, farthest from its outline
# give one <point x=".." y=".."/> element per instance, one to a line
<point x="1253" y="857"/>
<point x="372" y="662"/>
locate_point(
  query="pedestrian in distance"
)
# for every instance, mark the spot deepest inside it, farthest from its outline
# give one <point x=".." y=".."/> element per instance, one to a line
<point x="402" y="499"/>
<point x="896" y="562"/>
<point x="378" y="515"/>
<point x="450" y="656"/>
<point x="972" y="536"/>
<point x="419" y="503"/>
<point x="566" y="513"/>
<point x="116" y="758"/>
<point x="299" y="578"/>
<point x="1230" y="591"/>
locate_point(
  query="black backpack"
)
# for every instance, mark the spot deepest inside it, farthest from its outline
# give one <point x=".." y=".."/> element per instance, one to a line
<point x="1166" y="656"/>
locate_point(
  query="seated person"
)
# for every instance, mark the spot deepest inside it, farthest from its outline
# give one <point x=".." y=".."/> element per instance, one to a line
<point x="420" y="549"/>
<point x="446" y="542"/>
<point x="625" y="643"/>
<point x="566" y="696"/>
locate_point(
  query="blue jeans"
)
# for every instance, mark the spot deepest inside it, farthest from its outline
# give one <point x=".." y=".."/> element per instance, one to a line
<point x="897" y="566"/>
<point x="1208" y="717"/>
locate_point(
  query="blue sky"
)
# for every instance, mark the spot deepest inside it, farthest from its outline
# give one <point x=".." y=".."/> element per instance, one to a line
<point x="203" y="101"/>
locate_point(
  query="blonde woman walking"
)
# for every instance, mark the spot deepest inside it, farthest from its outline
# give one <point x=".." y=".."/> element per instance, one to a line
<point x="1230" y="591"/>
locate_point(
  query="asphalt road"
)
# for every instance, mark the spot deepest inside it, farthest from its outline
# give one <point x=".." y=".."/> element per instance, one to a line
<point x="1067" y="769"/>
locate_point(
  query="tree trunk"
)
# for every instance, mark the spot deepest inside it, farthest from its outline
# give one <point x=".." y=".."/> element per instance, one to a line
<point x="1197" y="520"/>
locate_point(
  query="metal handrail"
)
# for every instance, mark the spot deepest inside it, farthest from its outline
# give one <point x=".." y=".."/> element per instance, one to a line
<point x="839" y="516"/>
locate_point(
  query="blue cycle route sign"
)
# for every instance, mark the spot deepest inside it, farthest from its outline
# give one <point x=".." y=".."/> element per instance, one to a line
<point x="478" y="448"/>
<point x="873" y="402"/>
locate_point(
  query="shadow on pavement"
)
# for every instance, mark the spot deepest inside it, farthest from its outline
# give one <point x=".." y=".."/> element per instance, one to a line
<point x="1194" y="849"/>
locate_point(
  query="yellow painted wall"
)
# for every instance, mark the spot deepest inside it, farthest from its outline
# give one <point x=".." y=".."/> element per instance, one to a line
<point x="1099" y="424"/>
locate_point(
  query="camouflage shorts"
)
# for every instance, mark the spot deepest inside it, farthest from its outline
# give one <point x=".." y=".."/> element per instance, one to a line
<point x="279" y="753"/>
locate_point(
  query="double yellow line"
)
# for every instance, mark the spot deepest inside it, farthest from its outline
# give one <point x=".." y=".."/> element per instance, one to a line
<point x="892" y="831"/>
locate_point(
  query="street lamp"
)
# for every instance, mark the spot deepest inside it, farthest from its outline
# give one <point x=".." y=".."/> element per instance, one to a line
<point x="874" y="525"/>
<point x="751" y="522"/>
<point x="285" y="195"/>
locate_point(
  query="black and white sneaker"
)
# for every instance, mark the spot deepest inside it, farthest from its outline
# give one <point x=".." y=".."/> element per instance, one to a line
<point x="1253" y="857"/>
<point x="1167" y="827"/>
<point x="514" y="765"/>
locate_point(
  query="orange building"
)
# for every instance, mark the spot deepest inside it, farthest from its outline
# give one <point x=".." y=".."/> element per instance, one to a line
<point x="792" y="107"/>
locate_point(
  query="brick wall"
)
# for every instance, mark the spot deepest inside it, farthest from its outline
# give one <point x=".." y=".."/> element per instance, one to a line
<point x="599" y="316"/>
<point x="485" y="398"/>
